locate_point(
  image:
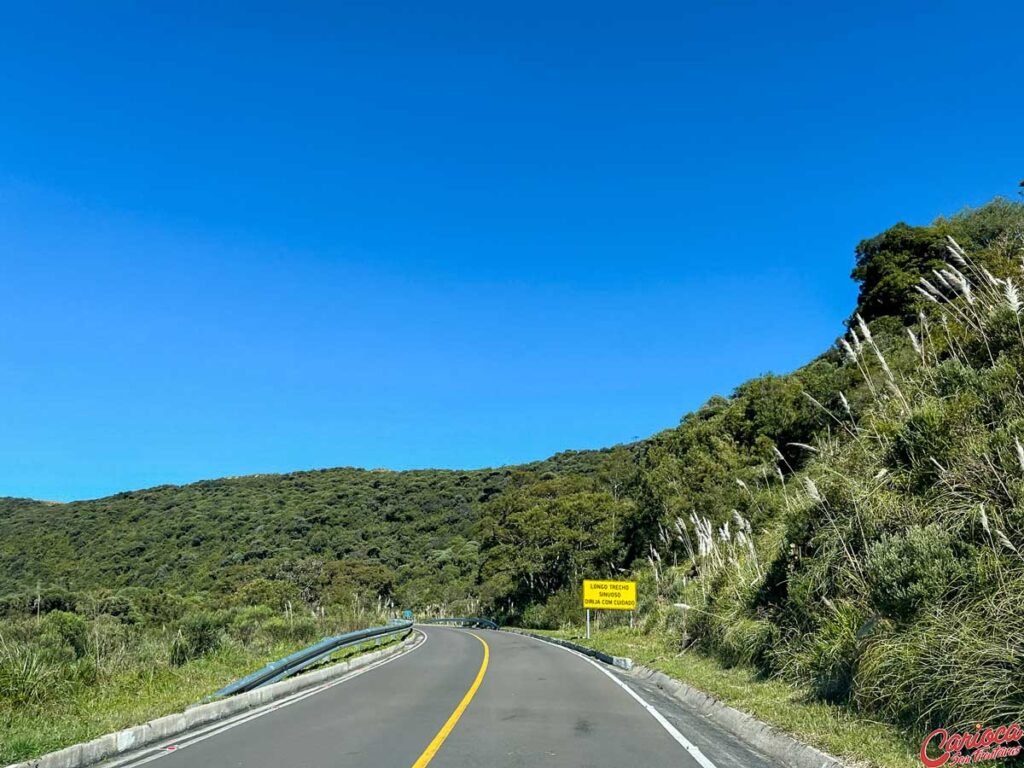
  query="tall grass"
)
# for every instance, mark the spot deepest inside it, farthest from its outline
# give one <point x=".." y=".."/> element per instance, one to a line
<point x="65" y="677"/>
<point x="886" y="574"/>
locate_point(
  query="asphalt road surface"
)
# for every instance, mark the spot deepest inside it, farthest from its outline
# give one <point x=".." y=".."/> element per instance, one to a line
<point x="465" y="698"/>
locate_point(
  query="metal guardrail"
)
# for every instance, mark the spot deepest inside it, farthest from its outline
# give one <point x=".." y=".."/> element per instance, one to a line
<point x="464" y="621"/>
<point x="307" y="657"/>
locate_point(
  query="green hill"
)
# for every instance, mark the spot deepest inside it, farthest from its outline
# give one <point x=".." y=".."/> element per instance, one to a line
<point x="409" y="536"/>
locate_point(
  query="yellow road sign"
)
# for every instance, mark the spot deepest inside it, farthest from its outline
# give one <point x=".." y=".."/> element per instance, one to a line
<point x="609" y="595"/>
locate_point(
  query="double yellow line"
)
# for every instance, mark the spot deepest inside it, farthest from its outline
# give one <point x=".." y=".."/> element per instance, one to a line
<point x="435" y="744"/>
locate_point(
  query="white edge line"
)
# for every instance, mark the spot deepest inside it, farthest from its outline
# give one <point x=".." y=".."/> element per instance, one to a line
<point x="206" y="732"/>
<point x="685" y="743"/>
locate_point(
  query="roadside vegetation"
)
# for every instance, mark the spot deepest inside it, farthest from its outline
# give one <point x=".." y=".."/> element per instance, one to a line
<point x="67" y="677"/>
<point x="880" y="564"/>
<point x="853" y="529"/>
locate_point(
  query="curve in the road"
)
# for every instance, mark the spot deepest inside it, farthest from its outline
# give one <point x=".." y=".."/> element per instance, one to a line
<point x="437" y="741"/>
<point x="460" y="701"/>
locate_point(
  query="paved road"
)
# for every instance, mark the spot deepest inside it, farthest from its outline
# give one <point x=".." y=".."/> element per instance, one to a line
<point x="469" y="698"/>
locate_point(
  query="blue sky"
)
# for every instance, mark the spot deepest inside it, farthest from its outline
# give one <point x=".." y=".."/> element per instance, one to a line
<point x="450" y="235"/>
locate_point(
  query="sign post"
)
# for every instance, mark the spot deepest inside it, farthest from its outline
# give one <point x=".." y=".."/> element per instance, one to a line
<point x="609" y="596"/>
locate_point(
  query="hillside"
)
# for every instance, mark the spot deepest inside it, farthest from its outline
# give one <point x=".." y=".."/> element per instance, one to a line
<point x="856" y="525"/>
<point x="323" y="534"/>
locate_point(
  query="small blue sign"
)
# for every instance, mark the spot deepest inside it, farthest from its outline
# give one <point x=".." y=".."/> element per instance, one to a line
<point x="407" y="614"/>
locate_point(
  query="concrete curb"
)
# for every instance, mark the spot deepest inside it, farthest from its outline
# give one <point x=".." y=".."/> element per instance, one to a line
<point x="766" y="739"/>
<point x="622" y="662"/>
<point x="130" y="739"/>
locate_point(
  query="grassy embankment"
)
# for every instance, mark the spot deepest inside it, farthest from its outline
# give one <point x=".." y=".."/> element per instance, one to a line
<point x="49" y="703"/>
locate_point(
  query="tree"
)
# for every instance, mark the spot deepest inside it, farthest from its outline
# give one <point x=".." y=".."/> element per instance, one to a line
<point x="889" y="267"/>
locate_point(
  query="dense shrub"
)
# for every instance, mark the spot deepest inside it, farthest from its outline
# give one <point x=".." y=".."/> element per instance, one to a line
<point x="906" y="570"/>
<point x="300" y="629"/>
<point x="958" y="665"/>
<point x="25" y="678"/>
<point x="827" y="658"/>
<point x="925" y="438"/>
<point x="63" y="630"/>
<point x="248" y="621"/>
<point x="749" y="641"/>
<point x="276" y="594"/>
<point x="36" y="602"/>
<point x="198" y="634"/>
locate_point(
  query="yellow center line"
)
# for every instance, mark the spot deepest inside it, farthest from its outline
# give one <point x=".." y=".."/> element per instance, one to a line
<point x="433" y="746"/>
